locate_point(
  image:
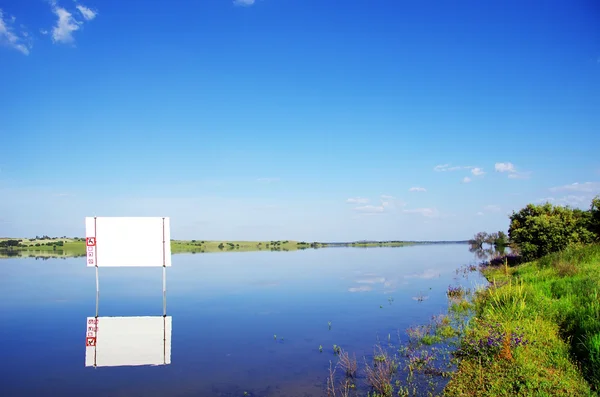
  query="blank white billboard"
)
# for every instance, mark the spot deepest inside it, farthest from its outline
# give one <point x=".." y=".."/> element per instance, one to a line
<point x="128" y="241"/>
<point x="127" y="341"/>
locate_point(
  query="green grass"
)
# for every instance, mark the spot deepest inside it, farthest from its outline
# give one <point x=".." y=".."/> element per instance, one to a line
<point x="554" y="304"/>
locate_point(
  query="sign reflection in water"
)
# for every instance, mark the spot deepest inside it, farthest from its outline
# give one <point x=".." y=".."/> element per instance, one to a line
<point x="129" y="341"/>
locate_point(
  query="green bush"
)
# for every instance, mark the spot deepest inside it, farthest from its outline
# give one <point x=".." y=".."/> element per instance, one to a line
<point x="538" y="230"/>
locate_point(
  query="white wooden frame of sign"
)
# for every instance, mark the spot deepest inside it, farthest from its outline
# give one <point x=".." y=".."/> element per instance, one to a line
<point x="128" y="242"/>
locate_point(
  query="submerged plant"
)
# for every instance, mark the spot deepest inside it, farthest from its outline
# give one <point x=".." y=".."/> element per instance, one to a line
<point x="329" y="324"/>
<point x="320" y="349"/>
<point x="275" y="337"/>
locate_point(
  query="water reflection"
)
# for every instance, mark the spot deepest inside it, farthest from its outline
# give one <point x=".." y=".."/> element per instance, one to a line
<point x="485" y="253"/>
<point x="128" y="341"/>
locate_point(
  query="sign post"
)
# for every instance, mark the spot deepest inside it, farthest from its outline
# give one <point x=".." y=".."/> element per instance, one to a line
<point x="127" y="242"/>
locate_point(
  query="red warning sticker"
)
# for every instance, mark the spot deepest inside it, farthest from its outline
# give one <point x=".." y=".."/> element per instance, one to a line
<point x="90" y="341"/>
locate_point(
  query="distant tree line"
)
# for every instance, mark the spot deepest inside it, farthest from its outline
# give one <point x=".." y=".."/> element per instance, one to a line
<point x="10" y="243"/>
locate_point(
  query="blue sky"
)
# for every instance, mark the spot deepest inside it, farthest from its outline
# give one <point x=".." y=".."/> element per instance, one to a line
<point x="296" y="119"/>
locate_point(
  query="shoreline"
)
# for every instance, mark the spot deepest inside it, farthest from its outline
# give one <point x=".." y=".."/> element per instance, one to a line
<point x="75" y="247"/>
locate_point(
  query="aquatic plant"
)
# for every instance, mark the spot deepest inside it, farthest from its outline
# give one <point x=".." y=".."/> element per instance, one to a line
<point x="329" y="324"/>
<point x="275" y="337"/>
<point x="336" y="349"/>
<point x="320" y="349"/>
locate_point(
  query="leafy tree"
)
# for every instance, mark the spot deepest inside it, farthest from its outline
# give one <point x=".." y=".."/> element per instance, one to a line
<point x="501" y="239"/>
<point x="538" y="230"/>
<point x="479" y="239"/>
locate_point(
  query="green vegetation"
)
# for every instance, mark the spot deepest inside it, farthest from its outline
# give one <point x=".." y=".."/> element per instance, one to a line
<point x="536" y="328"/>
<point x="529" y="327"/>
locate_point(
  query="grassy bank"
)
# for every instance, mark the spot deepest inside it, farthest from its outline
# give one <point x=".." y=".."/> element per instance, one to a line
<point x="536" y="329"/>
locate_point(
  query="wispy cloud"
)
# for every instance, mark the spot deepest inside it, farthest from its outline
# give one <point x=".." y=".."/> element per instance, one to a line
<point x="466" y="179"/>
<point x="417" y="189"/>
<point x="505" y="167"/>
<point x="387" y="204"/>
<point x="87" y="13"/>
<point x="10" y="39"/>
<point x="67" y="24"/>
<point x="371" y="209"/>
<point x="512" y="171"/>
<point x="570" y="200"/>
<point x="448" y="167"/>
<point x="268" y="180"/>
<point x="585" y="187"/>
<point x="357" y="200"/>
<point x="477" y="171"/>
<point x="245" y="3"/>
<point x="479" y="213"/>
<point x="427" y="212"/>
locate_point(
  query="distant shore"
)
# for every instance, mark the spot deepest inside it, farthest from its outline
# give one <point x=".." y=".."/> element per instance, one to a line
<point x="73" y="247"/>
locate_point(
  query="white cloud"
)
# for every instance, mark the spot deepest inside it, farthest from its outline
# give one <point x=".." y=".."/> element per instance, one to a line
<point x="243" y="2"/>
<point x="357" y="200"/>
<point x="268" y="180"/>
<point x="447" y="167"/>
<point x="65" y="26"/>
<point x="477" y="171"/>
<point x="585" y="187"/>
<point x="87" y="13"/>
<point x="417" y="189"/>
<point x="10" y="39"/>
<point x="427" y="212"/>
<point x="512" y="171"/>
<point x="43" y="31"/>
<point x="386" y="197"/>
<point x="372" y="209"/>
<point x="479" y="213"/>
<point x="505" y="167"/>
<point x="466" y="179"/>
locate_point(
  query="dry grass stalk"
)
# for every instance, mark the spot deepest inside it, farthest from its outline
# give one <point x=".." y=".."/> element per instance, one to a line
<point x="331" y="381"/>
<point x="348" y="363"/>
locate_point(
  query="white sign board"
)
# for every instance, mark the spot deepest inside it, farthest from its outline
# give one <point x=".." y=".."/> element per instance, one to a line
<point x="129" y="241"/>
<point x="127" y="341"/>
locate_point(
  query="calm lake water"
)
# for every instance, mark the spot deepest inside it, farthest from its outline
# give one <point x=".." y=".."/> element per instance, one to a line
<point x="225" y="309"/>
